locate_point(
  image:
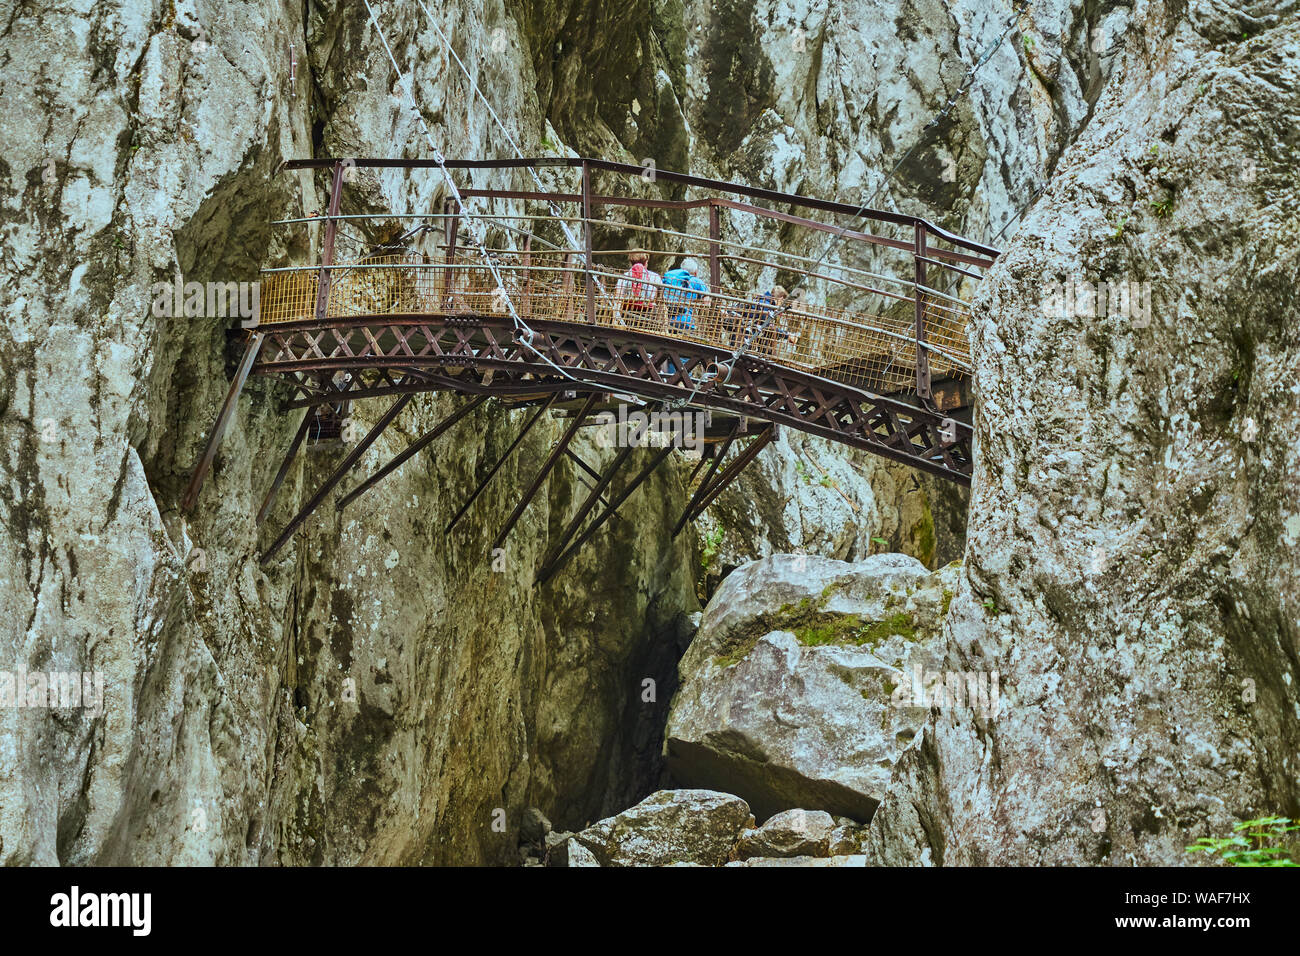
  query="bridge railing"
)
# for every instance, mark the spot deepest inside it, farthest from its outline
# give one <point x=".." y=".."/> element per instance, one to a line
<point x="911" y="329"/>
<point x="876" y="351"/>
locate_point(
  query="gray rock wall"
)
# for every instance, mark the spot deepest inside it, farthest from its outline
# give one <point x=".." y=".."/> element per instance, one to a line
<point x="1132" y="552"/>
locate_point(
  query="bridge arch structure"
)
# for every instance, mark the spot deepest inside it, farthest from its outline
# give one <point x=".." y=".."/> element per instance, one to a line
<point x="871" y="351"/>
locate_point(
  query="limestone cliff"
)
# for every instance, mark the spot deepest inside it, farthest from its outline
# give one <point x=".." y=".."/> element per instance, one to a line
<point x="1135" y="518"/>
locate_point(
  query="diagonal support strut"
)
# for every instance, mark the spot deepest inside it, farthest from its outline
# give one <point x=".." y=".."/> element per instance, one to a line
<point x="222" y="422"/>
<point x="556" y="453"/>
<point x="501" y="461"/>
<point x="411" y="451"/>
<point x="549" y="570"/>
<point x="344" y="467"/>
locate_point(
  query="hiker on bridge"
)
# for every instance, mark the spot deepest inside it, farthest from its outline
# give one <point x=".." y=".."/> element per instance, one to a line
<point x="637" y="289"/>
<point x="763" y="320"/>
<point x="682" y="287"/>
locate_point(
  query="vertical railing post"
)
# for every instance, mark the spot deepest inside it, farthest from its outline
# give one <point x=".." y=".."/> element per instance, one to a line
<point x="586" y="242"/>
<point x="715" y="233"/>
<point x="527" y="298"/>
<point x="566" y="287"/>
<point x="922" y="356"/>
<point x="327" y="250"/>
<point x="453" y="228"/>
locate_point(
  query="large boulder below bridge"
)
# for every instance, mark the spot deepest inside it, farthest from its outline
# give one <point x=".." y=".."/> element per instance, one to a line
<point x="796" y="691"/>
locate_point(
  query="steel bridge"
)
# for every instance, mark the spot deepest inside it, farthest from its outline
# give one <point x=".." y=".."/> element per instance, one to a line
<point x="872" y="352"/>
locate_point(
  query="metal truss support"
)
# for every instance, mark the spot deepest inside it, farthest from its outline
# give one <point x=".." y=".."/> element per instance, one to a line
<point x="703" y="488"/>
<point x="411" y="451"/>
<point x="289" y="456"/>
<point x="550" y="570"/>
<point x="556" y="453"/>
<point x="523" y="433"/>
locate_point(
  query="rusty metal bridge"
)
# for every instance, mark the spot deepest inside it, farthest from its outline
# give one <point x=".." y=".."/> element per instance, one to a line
<point x="514" y="304"/>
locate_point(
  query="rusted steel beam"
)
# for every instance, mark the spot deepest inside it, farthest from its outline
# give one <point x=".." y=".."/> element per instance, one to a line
<point x="222" y="423"/>
<point x="527" y="298"/>
<point x="922" y="356"/>
<point x="556" y="453"/>
<point x="289" y="456"/>
<point x="702" y="489"/>
<point x="327" y="250"/>
<point x="453" y="233"/>
<point x="549" y="570"/>
<point x="523" y="433"/>
<point x="735" y="468"/>
<point x="411" y="450"/>
<point x="586" y="244"/>
<point x="715" y="233"/>
<point x="352" y="458"/>
<point x="584" y="509"/>
<point x="757" y="388"/>
<point x="577" y="460"/>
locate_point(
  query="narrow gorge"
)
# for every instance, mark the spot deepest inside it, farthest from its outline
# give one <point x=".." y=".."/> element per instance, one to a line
<point x="1089" y="657"/>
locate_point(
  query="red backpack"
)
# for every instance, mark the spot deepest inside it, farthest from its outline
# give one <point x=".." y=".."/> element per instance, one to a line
<point x="638" y="299"/>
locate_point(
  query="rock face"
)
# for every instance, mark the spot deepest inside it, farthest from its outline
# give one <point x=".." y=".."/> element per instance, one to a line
<point x="1132" y="560"/>
<point x="672" y="826"/>
<point x="806" y="495"/>
<point x="380" y="693"/>
<point x="796" y="691"/>
<point x="853" y="860"/>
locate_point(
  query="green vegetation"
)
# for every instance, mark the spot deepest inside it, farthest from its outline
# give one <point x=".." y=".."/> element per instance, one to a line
<point x="712" y="542"/>
<point x="852" y="630"/>
<point x="1259" y="842"/>
<point x="991" y="606"/>
<point x="947" y="600"/>
<point x="1119" y="229"/>
<point x="1162" y="207"/>
<point x="814" y="627"/>
<point x="923" y="535"/>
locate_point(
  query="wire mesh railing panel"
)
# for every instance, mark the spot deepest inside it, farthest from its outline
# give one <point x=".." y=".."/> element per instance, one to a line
<point x="869" y="350"/>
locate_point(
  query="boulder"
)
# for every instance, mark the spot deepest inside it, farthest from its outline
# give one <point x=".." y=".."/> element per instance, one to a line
<point x="847" y="838"/>
<point x="557" y="847"/>
<point x="856" y="859"/>
<point x="806" y="680"/>
<point x="671" y="826"/>
<point x="535" y="826"/>
<point x="789" y="834"/>
<point x="578" y="855"/>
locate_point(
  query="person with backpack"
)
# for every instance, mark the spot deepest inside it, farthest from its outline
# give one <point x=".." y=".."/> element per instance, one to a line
<point x="637" y="289"/>
<point x="683" y="287"/>
<point x="763" y="319"/>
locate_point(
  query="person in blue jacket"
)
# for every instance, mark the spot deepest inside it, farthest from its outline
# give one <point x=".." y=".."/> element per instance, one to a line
<point x="682" y="288"/>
